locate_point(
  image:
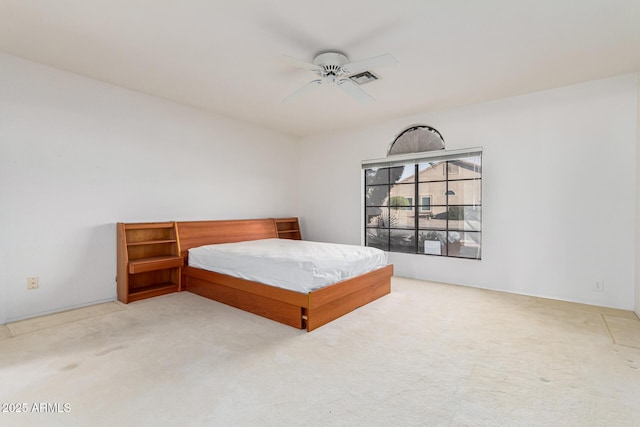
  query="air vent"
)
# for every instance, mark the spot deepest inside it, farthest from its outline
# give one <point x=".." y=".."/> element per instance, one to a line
<point x="364" y="77"/>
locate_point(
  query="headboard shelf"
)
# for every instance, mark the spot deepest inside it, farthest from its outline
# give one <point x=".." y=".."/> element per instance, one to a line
<point x="288" y="228"/>
<point x="149" y="260"/>
<point x="151" y="254"/>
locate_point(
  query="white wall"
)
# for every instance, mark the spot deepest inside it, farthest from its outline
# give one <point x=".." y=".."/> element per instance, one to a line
<point x="77" y="156"/>
<point x="559" y="190"/>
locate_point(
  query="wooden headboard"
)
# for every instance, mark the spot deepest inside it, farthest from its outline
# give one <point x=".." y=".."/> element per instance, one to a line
<point x="192" y="234"/>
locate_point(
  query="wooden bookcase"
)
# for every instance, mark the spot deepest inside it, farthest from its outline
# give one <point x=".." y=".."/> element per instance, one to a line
<point x="148" y="260"/>
<point x="288" y="228"/>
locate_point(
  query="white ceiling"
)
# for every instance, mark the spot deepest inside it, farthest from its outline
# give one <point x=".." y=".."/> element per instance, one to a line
<point x="225" y="56"/>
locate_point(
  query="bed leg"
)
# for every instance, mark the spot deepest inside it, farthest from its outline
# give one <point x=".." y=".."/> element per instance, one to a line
<point x="304" y="318"/>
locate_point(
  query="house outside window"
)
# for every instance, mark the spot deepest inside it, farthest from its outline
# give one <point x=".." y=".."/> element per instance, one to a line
<point x="448" y="219"/>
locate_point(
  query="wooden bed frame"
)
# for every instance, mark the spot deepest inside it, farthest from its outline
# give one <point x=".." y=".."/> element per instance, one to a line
<point x="292" y="308"/>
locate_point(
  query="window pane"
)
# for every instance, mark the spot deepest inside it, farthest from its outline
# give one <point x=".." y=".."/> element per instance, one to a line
<point x="377" y="195"/>
<point x="468" y="167"/>
<point x="376" y="176"/>
<point x="434" y="190"/>
<point x="465" y="192"/>
<point x="453" y="168"/>
<point x="433" y="171"/>
<point x="400" y="194"/>
<point x="398" y="174"/>
<point x="403" y="241"/>
<point x="383" y="217"/>
<point x="434" y="219"/>
<point x="377" y="217"/>
<point x="407" y="175"/>
<point x="464" y="244"/>
<point x="432" y="242"/>
<point x="377" y="238"/>
<point x="403" y="217"/>
<point x="465" y="218"/>
<point x="380" y="176"/>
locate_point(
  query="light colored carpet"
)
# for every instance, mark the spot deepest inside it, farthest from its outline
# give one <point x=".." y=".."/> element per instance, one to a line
<point x="427" y="354"/>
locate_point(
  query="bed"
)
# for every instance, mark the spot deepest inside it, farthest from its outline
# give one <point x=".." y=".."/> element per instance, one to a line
<point x="298" y="308"/>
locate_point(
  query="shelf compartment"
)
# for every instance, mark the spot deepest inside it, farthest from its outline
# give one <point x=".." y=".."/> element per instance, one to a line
<point x="288" y="228"/>
<point x="136" y="252"/>
<point x="151" y="242"/>
<point x="152" y="291"/>
<point x="140" y="235"/>
<point x="154" y="263"/>
<point x="146" y="225"/>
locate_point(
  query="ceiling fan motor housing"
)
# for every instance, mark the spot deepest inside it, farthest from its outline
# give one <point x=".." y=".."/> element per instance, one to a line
<point x="331" y="58"/>
<point x="331" y="65"/>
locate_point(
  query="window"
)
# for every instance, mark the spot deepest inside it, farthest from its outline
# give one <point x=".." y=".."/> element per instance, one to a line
<point x="425" y="203"/>
<point x="447" y="220"/>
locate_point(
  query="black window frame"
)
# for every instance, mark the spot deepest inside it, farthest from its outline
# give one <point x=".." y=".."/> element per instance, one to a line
<point x="458" y="237"/>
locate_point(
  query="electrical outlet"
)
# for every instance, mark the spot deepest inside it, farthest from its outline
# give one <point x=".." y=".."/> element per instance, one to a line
<point x="33" y="282"/>
<point x="598" y="286"/>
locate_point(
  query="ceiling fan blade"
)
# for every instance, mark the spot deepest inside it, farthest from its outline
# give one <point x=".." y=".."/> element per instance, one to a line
<point x="369" y="64"/>
<point x="312" y="85"/>
<point x="355" y="91"/>
<point x="300" y="64"/>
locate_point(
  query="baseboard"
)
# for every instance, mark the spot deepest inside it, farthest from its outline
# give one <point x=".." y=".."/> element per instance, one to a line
<point x="57" y="310"/>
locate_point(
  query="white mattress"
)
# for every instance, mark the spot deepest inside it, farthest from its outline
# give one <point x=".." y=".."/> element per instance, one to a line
<point x="297" y="265"/>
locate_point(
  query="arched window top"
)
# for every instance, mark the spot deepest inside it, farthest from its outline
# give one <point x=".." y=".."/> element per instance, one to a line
<point x="416" y="139"/>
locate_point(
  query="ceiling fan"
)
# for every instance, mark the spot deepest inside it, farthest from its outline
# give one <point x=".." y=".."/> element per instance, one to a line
<point x="333" y="68"/>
